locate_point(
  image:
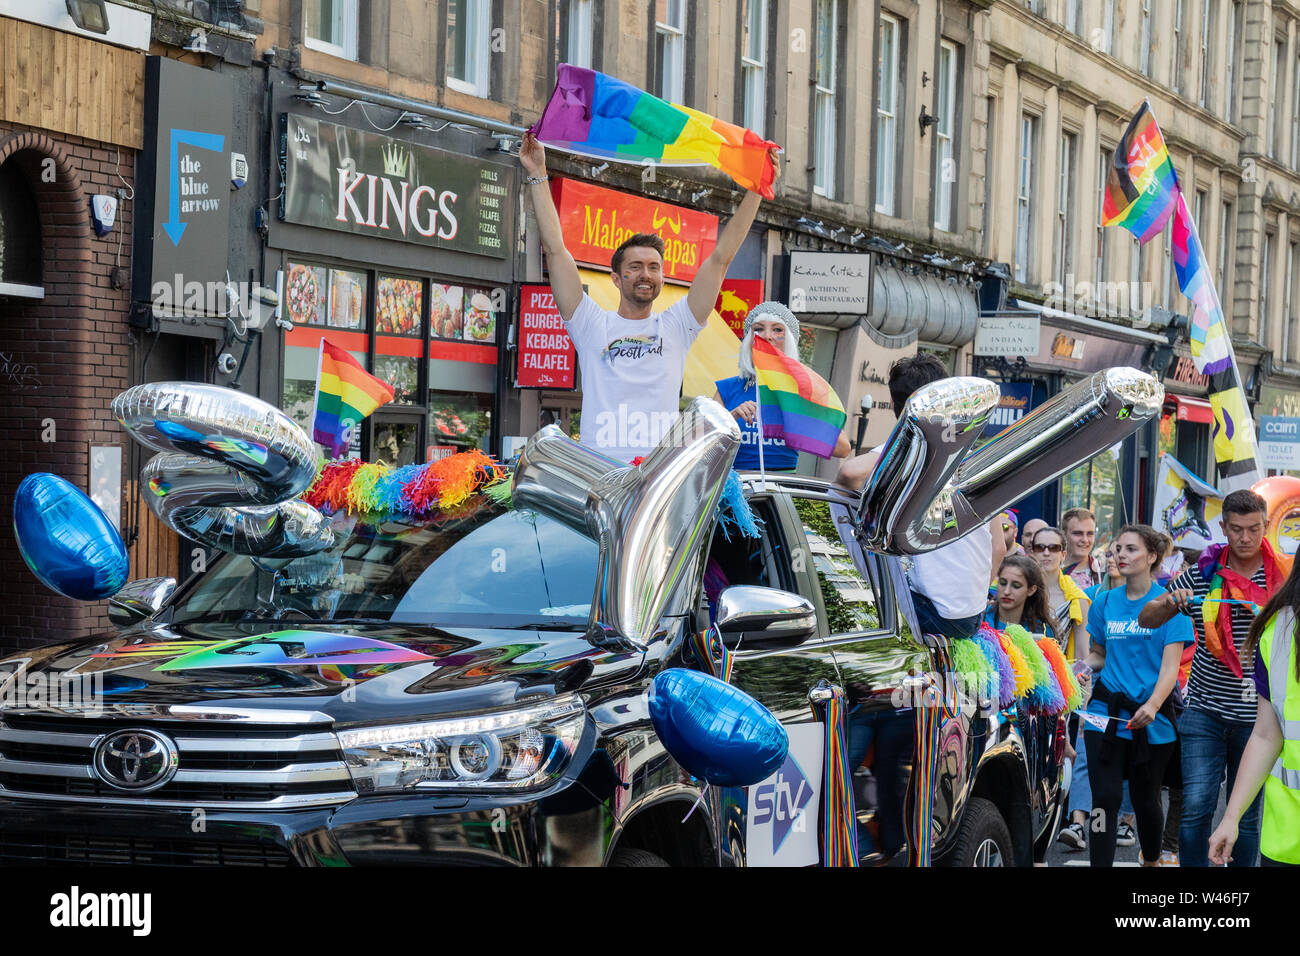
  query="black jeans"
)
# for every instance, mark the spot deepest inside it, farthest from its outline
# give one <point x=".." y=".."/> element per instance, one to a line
<point x="1107" y="777"/>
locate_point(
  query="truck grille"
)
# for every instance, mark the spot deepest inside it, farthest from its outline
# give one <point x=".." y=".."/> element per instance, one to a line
<point x="245" y="767"/>
<point x="28" y="848"/>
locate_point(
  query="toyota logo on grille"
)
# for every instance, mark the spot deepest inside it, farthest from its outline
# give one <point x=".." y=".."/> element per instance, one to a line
<point x="138" y="760"/>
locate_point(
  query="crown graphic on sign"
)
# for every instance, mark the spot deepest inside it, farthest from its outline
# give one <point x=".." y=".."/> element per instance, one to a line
<point x="395" y="160"/>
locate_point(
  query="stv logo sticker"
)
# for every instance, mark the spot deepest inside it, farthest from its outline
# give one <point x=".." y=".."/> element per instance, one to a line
<point x="782" y="802"/>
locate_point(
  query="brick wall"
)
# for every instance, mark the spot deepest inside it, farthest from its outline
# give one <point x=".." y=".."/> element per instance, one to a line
<point x="64" y="358"/>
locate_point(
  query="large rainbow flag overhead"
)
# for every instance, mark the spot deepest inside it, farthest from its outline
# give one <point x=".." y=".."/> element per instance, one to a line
<point x="1142" y="192"/>
<point x="1141" y="183"/>
<point x="596" y="115"/>
<point x="345" y="395"/>
<point x="795" y="403"/>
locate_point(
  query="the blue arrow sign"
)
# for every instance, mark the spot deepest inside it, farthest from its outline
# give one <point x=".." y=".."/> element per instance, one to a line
<point x="210" y="141"/>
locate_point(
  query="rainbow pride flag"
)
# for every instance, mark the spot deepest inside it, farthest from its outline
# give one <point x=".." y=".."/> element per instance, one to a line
<point x="596" y="115"/>
<point x="345" y="394"/>
<point x="1141" y="185"/>
<point x="1142" y="192"/>
<point x="795" y="403"/>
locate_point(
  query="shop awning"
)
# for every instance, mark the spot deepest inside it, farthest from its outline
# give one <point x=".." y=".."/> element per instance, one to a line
<point x="936" y="309"/>
<point x="1188" y="409"/>
<point x="715" y="353"/>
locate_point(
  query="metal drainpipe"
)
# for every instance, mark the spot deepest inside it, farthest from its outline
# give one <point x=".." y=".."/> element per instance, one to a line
<point x="338" y="88"/>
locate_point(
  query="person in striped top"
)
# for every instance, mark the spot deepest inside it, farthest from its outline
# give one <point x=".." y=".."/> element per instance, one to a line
<point x="1221" y="698"/>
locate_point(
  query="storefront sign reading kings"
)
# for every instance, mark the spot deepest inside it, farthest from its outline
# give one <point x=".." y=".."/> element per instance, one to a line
<point x="373" y="185"/>
<point x="546" y="353"/>
<point x="595" y="222"/>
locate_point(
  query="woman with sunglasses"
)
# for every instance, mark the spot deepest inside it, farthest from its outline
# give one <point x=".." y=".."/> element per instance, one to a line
<point x="1131" y="697"/>
<point x="1066" y="599"/>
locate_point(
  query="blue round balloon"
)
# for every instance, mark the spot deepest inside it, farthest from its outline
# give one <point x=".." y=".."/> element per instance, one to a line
<point x="716" y="731"/>
<point x="66" y="539"/>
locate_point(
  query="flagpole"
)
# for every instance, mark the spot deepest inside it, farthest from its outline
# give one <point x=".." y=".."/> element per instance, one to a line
<point x="1227" y="328"/>
<point x="315" y="399"/>
<point x="758" y="405"/>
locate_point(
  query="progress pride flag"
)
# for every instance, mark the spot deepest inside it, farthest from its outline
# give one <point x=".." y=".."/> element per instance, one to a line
<point x="546" y="353"/>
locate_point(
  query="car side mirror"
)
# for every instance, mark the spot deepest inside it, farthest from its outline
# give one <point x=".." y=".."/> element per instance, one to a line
<point x="764" y="619"/>
<point x="139" y="600"/>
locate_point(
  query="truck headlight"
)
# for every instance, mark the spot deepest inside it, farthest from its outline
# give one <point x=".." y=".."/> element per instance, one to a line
<point x="523" y="749"/>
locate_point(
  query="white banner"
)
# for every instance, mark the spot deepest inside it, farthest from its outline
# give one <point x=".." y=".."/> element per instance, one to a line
<point x="1187" y="508"/>
<point x="781" y="826"/>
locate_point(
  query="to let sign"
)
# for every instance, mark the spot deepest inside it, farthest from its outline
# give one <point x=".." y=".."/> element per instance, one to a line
<point x="1007" y="335"/>
<point x="595" y="221"/>
<point x="546" y="353"/>
<point x="834" y="282"/>
<point x="1279" y="442"/>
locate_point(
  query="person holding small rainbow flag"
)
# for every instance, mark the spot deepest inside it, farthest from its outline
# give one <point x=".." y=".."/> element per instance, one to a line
<point x="800" y="412"/>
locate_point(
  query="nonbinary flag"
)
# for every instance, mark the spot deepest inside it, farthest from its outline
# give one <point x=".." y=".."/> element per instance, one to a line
<point x="345" y="395"/>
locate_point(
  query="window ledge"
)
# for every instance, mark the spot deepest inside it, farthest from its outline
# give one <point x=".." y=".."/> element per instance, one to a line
<point x="17" y="290"/>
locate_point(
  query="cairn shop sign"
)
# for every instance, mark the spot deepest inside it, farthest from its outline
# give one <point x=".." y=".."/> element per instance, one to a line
<point x="372" y="185"/>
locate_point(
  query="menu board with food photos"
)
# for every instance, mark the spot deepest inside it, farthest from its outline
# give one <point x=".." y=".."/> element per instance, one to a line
<point x="347" y="301"/>
<point x="306" y="294"/>
<point x="480" y="320"/>
<point x="446" y="311"/>
<point x="398" y="305"/>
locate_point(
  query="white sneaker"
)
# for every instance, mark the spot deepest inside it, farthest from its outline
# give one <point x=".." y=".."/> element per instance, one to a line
<point x="1125" y="836"/>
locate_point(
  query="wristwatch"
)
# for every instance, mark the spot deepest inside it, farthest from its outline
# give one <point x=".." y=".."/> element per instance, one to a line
<point x="534" y="180"/>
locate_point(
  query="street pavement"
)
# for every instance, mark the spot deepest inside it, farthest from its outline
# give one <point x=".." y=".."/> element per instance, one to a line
<point x="1062" y="855"/>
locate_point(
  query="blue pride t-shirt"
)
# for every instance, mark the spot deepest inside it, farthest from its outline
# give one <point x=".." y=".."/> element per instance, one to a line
<point x="1133" y="653"/>
<point x="777" y="456"/>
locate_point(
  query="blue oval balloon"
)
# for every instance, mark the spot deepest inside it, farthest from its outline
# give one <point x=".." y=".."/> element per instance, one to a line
<point x="714" y="730"/>
<point x="66" y="539"/>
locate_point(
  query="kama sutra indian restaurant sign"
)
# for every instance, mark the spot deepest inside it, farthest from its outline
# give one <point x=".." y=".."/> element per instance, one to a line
<point x="546" y="353"/>
<point x="595" y="221"/>
<point x="372" y="185"/>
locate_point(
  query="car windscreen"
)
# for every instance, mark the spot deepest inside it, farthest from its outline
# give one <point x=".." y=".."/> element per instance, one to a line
<point x="484" y="566"/>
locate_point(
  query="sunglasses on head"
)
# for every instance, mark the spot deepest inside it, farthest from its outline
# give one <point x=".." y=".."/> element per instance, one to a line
<point x="1053" y="548"/>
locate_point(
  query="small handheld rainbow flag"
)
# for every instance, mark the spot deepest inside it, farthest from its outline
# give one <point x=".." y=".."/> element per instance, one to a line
<point x="596" y="115"/>
<point x="1141" y="184"/>
<point x="345" y="394"/>
<point x="795" y="403"/>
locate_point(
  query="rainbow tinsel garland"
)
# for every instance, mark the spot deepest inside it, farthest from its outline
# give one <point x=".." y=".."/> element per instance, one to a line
<point x="416" y="491"/>
<point x="412" y="490"/>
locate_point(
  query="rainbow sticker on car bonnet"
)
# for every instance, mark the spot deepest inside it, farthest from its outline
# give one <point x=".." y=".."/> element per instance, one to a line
<point x="311" y="648"/>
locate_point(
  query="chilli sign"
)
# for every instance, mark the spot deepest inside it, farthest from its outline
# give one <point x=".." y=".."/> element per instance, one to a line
<point x="546" y="353"/>
<point x="595" y="221"/>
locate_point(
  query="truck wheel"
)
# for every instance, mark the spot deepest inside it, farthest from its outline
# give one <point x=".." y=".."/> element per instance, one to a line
<point x="634" y="857"/>
<point x="983" y="839"/>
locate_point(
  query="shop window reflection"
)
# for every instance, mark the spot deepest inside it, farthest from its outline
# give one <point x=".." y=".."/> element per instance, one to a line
<point x="460" y="420"/>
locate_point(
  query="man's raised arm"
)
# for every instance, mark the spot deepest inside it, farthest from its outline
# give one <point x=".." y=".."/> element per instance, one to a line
<point x="566" y="284"/>
<point x="708" y="281"/>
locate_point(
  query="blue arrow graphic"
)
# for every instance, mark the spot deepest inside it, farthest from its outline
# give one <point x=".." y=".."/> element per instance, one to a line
<point x="211" y="141"/>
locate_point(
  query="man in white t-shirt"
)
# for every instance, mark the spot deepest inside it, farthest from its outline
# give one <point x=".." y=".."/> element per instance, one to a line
<point x="632" y="359"/>
<point x="950" y="585"/>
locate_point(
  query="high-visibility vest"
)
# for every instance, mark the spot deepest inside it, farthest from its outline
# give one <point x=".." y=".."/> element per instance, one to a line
<point x="1280" y="830"/>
